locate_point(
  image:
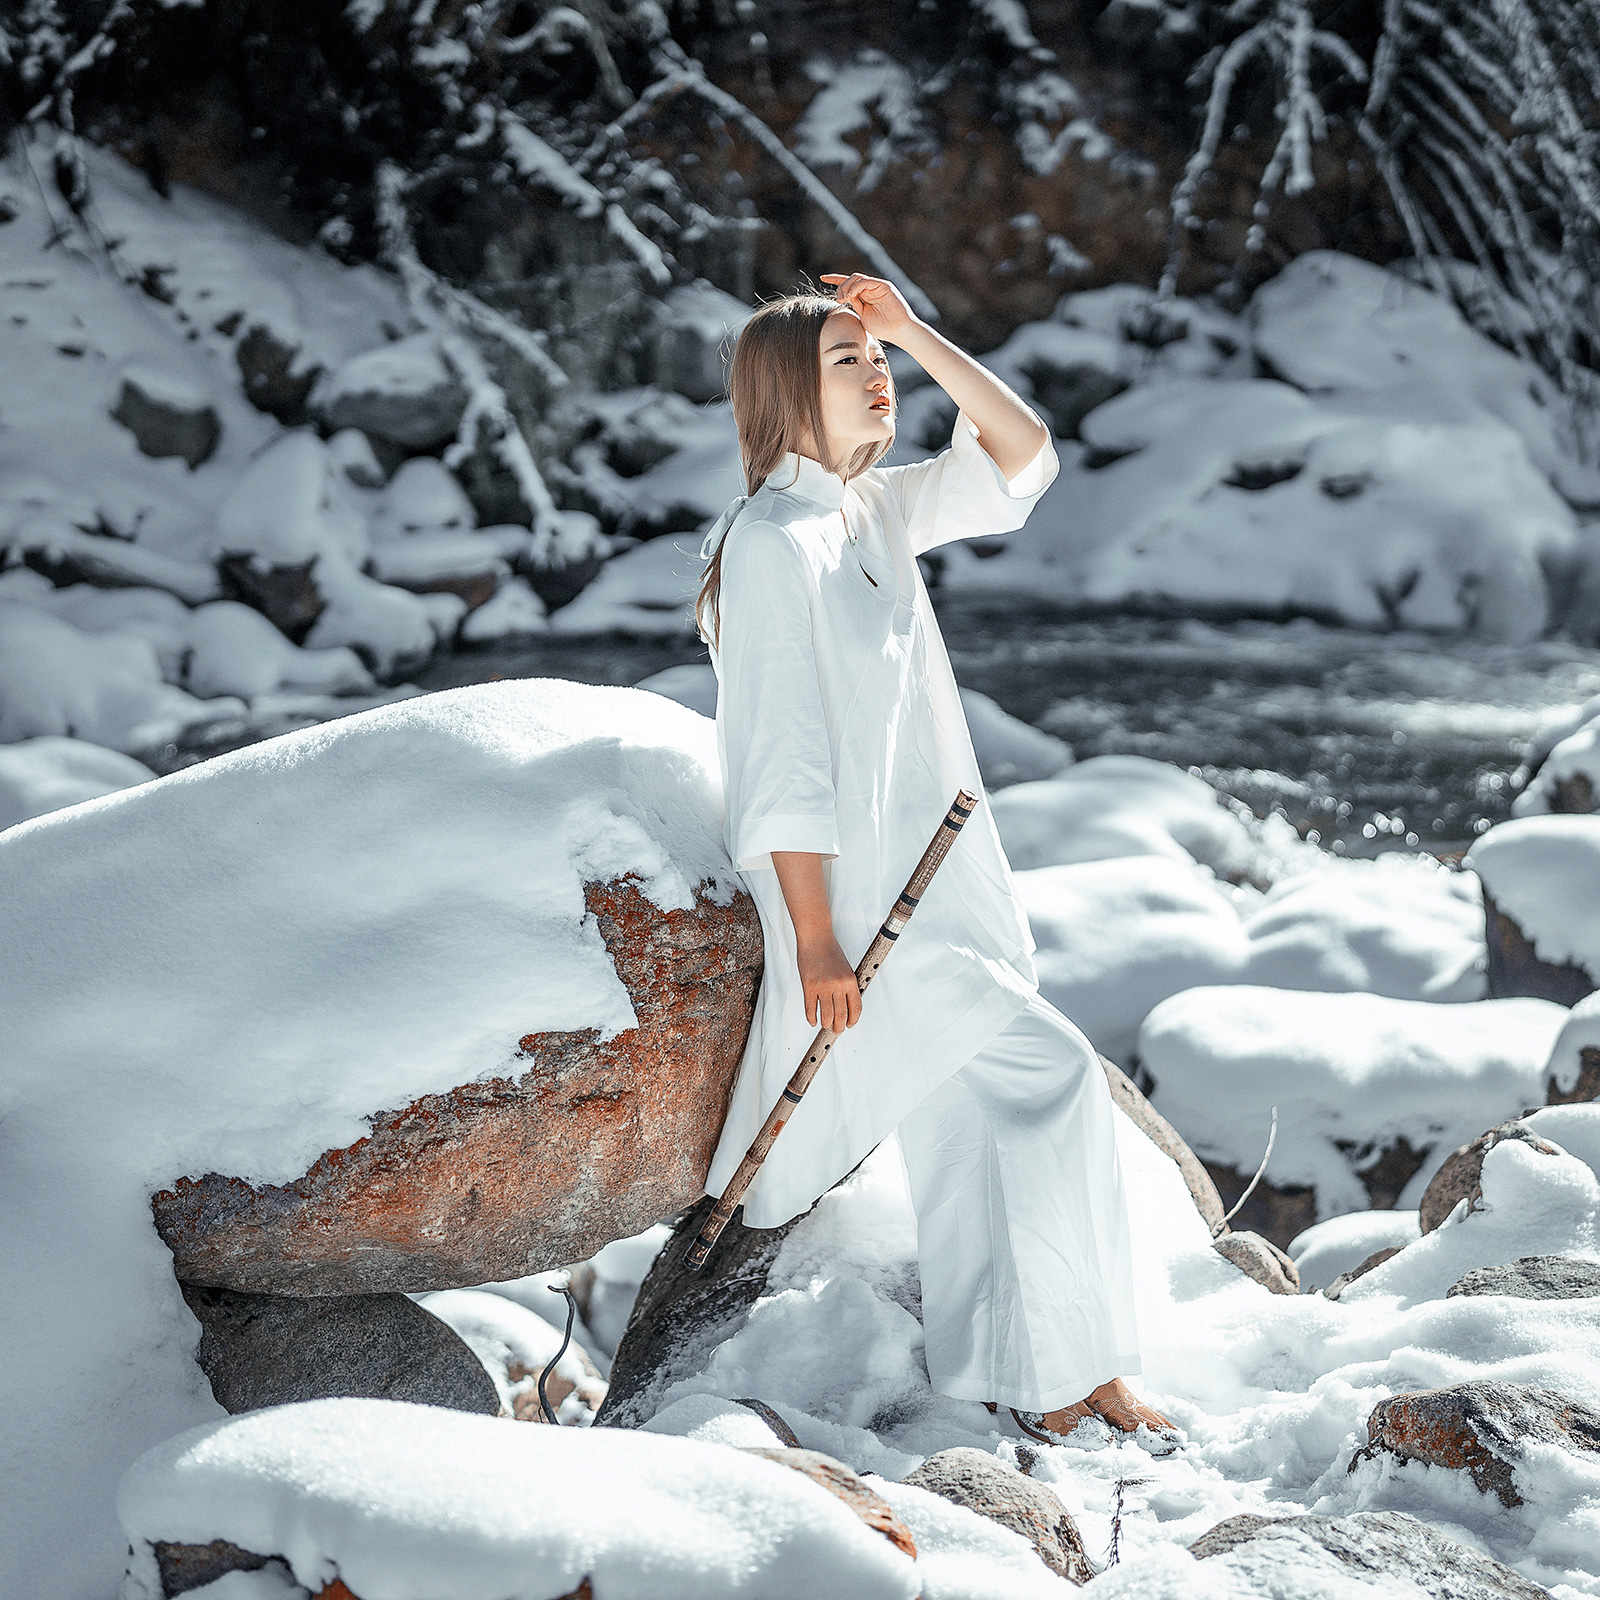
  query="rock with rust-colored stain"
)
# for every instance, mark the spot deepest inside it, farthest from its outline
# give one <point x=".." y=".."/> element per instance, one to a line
<point x="841" y="1481"/>
<point x="593" y="1141"/>
<point x="1461" y="1176"/>
<point x="1479" y="1428"/>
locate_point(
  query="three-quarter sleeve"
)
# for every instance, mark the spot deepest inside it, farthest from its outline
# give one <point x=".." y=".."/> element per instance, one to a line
<point x="775" y="742"/>
<point x="962" y="494"/>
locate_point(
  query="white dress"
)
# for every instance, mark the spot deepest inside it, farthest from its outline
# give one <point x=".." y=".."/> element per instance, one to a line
<point x="841" y="732"/>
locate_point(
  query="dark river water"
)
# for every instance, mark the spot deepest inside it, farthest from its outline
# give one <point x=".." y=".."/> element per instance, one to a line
<point x="1376" y="741"/>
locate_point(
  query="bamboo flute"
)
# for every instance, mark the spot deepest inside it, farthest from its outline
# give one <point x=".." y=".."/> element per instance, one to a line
<point x="944" y="836"/>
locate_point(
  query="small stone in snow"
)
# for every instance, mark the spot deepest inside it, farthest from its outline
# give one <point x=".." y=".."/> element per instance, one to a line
<point x="1378" y="1546"/>
<point x="1534" y="1278"/>
<point x="977" y="1481"/>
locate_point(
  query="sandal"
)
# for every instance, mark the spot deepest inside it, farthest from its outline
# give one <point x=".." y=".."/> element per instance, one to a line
<point x="1151" y="1431"/>
<point x="1035" y="1428"/>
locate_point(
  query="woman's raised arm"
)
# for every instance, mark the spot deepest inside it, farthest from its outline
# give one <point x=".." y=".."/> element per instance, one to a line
<point x="1007" y="429"/>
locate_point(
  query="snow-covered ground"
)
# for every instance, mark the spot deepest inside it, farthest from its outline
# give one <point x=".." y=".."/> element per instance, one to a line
<point x="1273" y="1393"/>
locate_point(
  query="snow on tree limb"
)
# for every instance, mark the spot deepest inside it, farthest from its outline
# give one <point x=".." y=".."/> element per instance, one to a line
<point x="684" y="76"/>
<point x="535" y="159"/>
<point x="439" y="308"/>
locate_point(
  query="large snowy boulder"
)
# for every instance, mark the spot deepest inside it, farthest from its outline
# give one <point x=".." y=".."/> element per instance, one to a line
<point x="1334" y="324"/>
<point x="1112" y="806"/>
<point x="1352" y="1075"/>
<point x="439" y="993"/>
<point x="415" y="1501"/>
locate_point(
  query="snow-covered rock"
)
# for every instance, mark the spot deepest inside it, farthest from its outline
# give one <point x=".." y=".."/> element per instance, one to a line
<point x="1358" y="1070"/>
<point x="699" y="324"/>
<point x="1335" y="324"/>
<point x="1113" y="806"/>
<point x="648" y="590"/>
<point x="103" y="688"/>
<point x="1536" y="1198"/>
<point x="1544" y="873"/>
<point x="1114" y="938"/>
<point x="404" y="392"/>
<point x="48" y="773"/>
<point x="415" y="1501"/>
<point x="1401" y="927"/>
<point x="1568" y="776"/>
<point x="235" y="650"/>
<point x="1342" y="1243"/>
<point x="1573" y="1071"/>
<point x="1008" y="749"/>
<point x="374" y="892"/>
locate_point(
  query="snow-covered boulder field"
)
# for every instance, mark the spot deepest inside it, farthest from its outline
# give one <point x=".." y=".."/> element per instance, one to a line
<point x="449" y="991"/>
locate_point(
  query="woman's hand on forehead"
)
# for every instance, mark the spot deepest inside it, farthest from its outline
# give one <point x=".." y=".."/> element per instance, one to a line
<point x="881" y="307"/>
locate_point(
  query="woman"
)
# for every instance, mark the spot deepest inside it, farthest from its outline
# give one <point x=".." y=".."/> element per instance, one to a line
<point x="843" y="743"/>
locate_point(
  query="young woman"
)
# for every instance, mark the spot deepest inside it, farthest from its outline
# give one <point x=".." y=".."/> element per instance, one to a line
<point x="843" y="743"/>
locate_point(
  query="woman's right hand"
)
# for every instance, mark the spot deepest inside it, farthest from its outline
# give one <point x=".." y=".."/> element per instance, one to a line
<point x="832" y="995"/>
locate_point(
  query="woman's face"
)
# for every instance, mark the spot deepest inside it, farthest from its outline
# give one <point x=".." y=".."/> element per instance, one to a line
<point x="857" y="397"/>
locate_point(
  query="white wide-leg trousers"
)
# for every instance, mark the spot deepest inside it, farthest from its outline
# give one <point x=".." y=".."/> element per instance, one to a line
<point x="1022" y="1221"/>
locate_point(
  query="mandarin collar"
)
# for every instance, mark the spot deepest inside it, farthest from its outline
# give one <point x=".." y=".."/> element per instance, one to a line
<point x="809" y="480"/>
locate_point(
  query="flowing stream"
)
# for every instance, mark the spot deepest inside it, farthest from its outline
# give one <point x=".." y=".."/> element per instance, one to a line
<point x="1374" y="741"/>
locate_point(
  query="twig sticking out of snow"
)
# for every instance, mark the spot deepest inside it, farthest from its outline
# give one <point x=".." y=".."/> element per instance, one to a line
<point x="546" y="1410"/>
<point x="445" y="311"/>
<point x="1249" y="1188"/>
<point x="1114" y="1552"/>
<point x="682" y="75"/>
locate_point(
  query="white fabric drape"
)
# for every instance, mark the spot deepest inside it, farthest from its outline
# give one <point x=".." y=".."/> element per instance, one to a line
<point x="841" y="732"/>
<point x="1022" y="1221"/>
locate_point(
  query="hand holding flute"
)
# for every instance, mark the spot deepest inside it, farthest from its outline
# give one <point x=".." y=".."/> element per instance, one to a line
<point x="877" y="953"/>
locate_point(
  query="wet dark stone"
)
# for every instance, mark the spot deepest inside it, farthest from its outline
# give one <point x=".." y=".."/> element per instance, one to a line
<point x="268" y="1350"/>
<point x="681" y="1315"/>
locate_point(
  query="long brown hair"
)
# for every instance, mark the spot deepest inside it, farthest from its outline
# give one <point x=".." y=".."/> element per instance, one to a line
<point x="775" y="385"/>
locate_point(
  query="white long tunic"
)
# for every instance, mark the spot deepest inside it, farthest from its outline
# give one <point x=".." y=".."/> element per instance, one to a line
<point x="841" y="731"/>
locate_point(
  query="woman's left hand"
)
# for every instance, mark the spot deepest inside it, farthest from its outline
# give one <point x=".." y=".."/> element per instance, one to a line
<point x="881" y="307"/>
